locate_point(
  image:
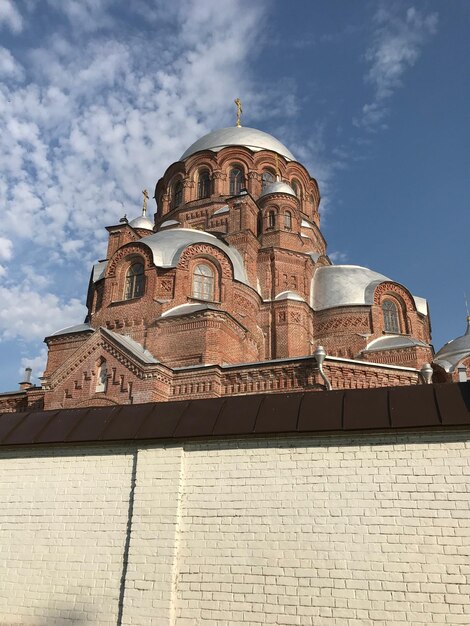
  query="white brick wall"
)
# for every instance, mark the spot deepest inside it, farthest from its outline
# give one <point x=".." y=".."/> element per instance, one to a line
<point x="336" y="531"/>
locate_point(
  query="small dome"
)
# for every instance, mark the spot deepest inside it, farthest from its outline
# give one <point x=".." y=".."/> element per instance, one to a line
<point x="169" y="223"/>
<point x="289" y="295"/>
<point x="251" y="138"/>
<point x="278" y="187"/>
<point x="454" y="351"/>
<point x="141" y="222"/>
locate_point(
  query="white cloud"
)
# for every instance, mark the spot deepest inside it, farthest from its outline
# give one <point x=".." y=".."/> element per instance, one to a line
<point x="6" y="249"/>
<point x="10" y="16"/>
<point x="29" y="315"/>
<point x="338" y="257"/>
<point x="37" y="364"/>
<point x="99" y="116"/>
<point x="398" y="43"/>
<point x="9" y="66"/>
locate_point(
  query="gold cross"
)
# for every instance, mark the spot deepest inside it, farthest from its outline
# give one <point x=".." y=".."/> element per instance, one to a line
<point x="146" y="197"/>
<point x="239" y="111"/>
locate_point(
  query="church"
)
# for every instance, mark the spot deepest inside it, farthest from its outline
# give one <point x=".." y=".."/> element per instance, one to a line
<point x="229" y="290"/>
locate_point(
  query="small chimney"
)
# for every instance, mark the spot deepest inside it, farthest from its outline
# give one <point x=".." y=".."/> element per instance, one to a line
<point x="26" y="383"/>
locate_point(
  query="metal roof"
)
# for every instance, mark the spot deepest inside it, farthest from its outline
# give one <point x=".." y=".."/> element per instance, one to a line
<point x="223" y="209"/>
<point x="141" y="222"/>
<point x="422" y="406"/>
<point x="278" y="187"/>
<point x="131" y="346"/>
<point x="185" y="309"/>
<point x="238" y="136"/>
<point x="393" y="342"/>
<point x="348" y="285"/>
<point x="289" y="295"/>
<point x="98" y="270"/>
<point x="168" y="245"/>
<point x="78" y="328"/>
<point x="450" y="355"/>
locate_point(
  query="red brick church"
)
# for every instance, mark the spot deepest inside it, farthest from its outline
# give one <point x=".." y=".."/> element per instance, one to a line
<point x="230" y="291"/>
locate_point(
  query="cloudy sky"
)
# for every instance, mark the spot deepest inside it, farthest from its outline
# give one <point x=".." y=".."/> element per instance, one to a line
<point x="98" y="97"/>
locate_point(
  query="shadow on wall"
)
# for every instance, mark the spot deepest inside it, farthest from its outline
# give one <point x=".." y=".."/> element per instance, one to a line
<point x="53" y="617"/>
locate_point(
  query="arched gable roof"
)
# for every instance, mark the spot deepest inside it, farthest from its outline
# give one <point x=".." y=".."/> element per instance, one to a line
<point x="168" y="245"/>
<point x="349" y="285"/>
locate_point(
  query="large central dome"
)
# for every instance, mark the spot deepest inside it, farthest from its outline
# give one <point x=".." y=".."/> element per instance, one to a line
<point x="238" y="136"/>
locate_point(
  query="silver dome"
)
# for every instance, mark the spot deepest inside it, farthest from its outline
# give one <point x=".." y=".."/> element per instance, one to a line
<point x="454" y="351"/>
<point x="278" y="187"/>
<point x="238" y="136"/>
<point x="141" y="222"/>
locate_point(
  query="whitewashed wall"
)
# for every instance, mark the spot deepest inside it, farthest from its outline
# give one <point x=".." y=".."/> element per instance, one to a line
<point x="336" y="531"/>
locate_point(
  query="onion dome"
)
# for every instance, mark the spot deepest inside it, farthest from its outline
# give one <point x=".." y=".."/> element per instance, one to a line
<point x="278" y="187"/>
<point x="454" y="351"/>
<point x="250" y="138"/>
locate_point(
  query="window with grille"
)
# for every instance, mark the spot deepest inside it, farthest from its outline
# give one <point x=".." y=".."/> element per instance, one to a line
<point x="237" y="181"/>
<point x="203" y="282"/>
<point x="271" y="219"/>
<point x="134" y="281"/>
<point x="204" y="185"/>
<point x="391" y="318"/>
<point x="177" y="197"/>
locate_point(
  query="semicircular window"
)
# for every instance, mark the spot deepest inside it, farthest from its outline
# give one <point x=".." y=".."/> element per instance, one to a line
<point x="203" y="282"/>
<point x="134" y="281"/>
<point x="390" y="315"/>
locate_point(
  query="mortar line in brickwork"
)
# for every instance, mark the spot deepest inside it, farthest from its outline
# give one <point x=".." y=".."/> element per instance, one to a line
<point x="127" y="544"/>
<point x="177" y="541"/>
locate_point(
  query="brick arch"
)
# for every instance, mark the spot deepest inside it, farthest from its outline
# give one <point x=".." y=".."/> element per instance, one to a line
<point x="401" y="298"/>
<point x="266" y="158"/>
<point x="201" y="159"/>
<point x="400" y="293"/>
<point x="227" y="156"/>
<point x="201" y="251"/>
<point x="130" y="250"/>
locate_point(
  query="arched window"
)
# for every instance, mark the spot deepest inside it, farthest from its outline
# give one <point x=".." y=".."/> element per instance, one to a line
<point x="101" y="377"/>
<point x="177" y="196"/>
<point x="204" y="185"/>
<point x="267" y="178"/>
<point x="297" y="188"/>
<point x="237" y="181"/>
<point x="288" y="220"/>
<point x="390" y="315"/>
<point x="271" y="219"/>
<point x="203" y="282"/>
<point x="134" y="281"/>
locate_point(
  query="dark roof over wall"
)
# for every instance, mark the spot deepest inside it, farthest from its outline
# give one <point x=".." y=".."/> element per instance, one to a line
<point x="423" y="406"/>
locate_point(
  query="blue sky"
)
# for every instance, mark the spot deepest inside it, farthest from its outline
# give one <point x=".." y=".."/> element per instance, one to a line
<point x="98" y="97"/>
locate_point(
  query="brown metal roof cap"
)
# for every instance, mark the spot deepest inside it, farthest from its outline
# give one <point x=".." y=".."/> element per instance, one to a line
<point x="421" y="406"/>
